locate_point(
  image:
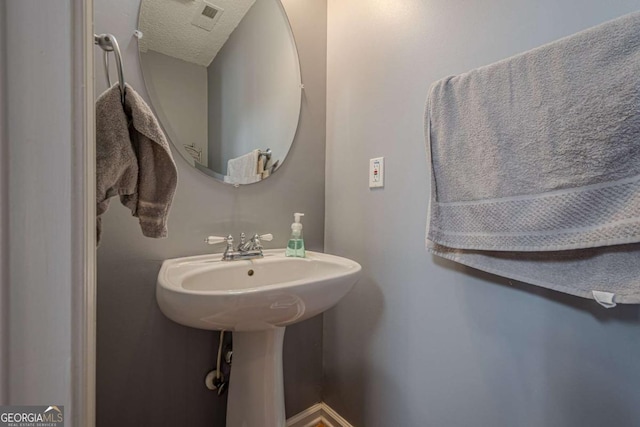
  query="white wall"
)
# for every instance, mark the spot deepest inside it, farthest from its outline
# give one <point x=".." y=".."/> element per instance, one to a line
<point x="422" y="341"/>
<point x="178" y="90"/>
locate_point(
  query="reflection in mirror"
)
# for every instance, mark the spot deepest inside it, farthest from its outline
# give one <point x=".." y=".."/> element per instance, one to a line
<point x="224" y="79"/>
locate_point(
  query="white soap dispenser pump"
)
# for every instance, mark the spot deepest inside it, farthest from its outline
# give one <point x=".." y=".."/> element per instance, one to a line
<point x="295" y="247"/>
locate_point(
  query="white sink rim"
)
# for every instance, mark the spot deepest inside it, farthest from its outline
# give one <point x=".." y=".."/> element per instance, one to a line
<point x="169" y="282"/>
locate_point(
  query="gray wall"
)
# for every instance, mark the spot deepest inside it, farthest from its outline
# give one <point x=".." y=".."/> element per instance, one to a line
<point x="46" y="250"/>
<point x="255" y="75"/>
<point x="177" y="89"/>
<point x="4" y="199"/>
<point x="150" y="368"/>
<point x="40" y="140"/>
<point x="422" y="341"/>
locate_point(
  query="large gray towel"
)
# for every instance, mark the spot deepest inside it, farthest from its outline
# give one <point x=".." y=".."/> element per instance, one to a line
<point x="133" y="161"/>
<point x="537" y="158"/>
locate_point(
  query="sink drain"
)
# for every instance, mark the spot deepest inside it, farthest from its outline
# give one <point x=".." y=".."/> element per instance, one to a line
<point x="250" y="272"/>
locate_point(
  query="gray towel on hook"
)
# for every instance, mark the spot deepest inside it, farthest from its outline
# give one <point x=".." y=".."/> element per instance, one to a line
<point x="536" y="164"/>
<point x="133" y="161"/>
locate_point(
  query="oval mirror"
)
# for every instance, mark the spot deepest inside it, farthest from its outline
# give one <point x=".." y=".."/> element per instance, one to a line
<point x="223" y="77"/>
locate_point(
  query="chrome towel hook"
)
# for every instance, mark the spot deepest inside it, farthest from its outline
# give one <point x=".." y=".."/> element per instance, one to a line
<point x="108" y="43"/>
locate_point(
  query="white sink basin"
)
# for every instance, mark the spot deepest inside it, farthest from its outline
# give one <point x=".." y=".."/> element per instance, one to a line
<point x="251" y="295"/>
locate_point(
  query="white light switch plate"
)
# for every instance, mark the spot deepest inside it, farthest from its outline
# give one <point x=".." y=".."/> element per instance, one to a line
<point x="376" y="172"/>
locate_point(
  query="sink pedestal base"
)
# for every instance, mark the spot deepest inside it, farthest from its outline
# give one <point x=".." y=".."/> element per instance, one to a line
<point x="256" y="389"/>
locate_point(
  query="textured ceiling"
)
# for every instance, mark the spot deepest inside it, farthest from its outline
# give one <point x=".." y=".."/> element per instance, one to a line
<point x="166" y="27"/>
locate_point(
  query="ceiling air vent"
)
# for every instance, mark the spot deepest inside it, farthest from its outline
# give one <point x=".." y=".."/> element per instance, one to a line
<point x="207" y="16"/>
<point x="209" y="12"/>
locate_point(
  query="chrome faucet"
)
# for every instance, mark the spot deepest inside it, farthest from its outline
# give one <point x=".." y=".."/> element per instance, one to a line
<point x="245" y="249"/>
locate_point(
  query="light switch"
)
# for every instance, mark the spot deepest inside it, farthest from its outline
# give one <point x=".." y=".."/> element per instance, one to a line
<point x="376" y="172"/>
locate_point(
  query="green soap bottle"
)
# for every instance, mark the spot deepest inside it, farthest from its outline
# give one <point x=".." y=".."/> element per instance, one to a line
<point x="295" y="247"/>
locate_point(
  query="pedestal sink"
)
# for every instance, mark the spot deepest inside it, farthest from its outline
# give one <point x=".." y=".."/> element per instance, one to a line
<point x="255" y="299"/>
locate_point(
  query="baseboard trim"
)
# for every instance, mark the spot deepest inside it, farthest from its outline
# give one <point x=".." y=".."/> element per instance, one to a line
<point x="310" y="417"/>
<point x="332" y="419"/>
<point x="318" y="413"/>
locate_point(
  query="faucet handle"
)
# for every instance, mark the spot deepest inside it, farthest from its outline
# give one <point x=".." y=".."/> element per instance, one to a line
<point x="214" y="240"/>
<point x="257" y="239"/>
